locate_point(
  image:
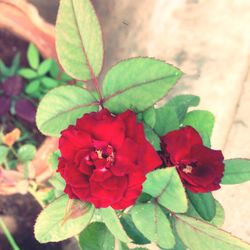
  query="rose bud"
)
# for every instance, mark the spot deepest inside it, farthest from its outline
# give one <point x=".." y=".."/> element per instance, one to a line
<point x="200" y="168"/>
<point x="104" y="159"/>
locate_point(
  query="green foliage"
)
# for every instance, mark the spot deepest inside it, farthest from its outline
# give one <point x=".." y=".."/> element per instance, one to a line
<point x="45" y="67"/>
<point x="152" y="137"/>
<point x="198" y="235"/>
<point x="58" y="183"/>
<point x="52" y="226"/>
<point x="153" y="224"/>
<point x="42" y="76"/>
<point x="218" y="219"/>
<point x="27" y="73"/>
<point x="113" y="223"/>
<point x="149" y="117"/>
<point x="181" y="103"/>
<point x="167" y="120"/>
<point x="236" y="171"/>
<point x="6" y="72"/>
<point x="3" y="153"/>
<point x="203" y="122"/>
<point x="169" y="190"/>
<point x="132" y="231"/>
<point x="144" y="81"/>
<point x="53" y="160"/>
<point x="136" y="84"/>
<point x="95" y="237"/>
<point x="33" y="56"/>
<point x="69" y="103"/>
<point x="204" y="204"/>
<point x="79" y="39"/>
<point x="26" y="153"/>
<point x="49" y="83"/>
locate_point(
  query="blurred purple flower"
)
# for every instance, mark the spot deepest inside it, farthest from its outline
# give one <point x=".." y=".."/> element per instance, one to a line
<point x="4" y="104"/>
<point x="12" y="86"/>
<point x="25" y="110"/>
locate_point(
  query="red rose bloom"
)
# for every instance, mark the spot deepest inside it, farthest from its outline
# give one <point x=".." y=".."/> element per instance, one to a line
<point x="104" y="159"/>
<point x="200" y="168"/>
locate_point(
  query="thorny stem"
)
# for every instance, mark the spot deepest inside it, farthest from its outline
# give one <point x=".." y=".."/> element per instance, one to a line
<point x="8" y="235"/>
<point x="97" y="87"/>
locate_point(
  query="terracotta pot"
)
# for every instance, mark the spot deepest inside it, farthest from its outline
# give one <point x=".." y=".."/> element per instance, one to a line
<point x="22" y="19"/>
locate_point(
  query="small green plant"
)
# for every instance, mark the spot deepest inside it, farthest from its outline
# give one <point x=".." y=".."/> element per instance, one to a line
<point x="43" y="75"/>
<point x="14" y="151"/>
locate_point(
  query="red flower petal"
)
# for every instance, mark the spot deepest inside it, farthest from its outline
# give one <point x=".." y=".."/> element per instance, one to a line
<point x="73" y="140"/>
<point x="200" y="168"/>
<point x="178" y="143"/>
<point x="105" y="159"/>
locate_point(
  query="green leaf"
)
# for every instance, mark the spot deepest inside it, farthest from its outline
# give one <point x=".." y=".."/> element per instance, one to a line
<point x="144" y="198"/>
<point x="236" y="171"/>
<point x="3" y="153"/>
<point x="132" y="231"/>
<point x="53" y="160"/>
<point x="181" y="103"/>
<point x="51" y="225"/>
<point x="33" y="87"/>
<point x="218" y="219"/>
<point x="95" y="237"/>
<point x="113" y="223"/>
<point x="152" y="137"/>
<point x="45" y="67"/>
<point x="138" y="83"/>
<point x="64" y="77"/>
<point x="149" y="117"/>
<point x="69" y="103"/>
<point x="26" y="153"/>
<point x="49" y="83"/>
<point x="79" y="39"/>
<point x="166" y="186"/>
<point x="203" y="122"/>
<point x="33" y="56"/>
<point x="54" y="70"/>
<point x="123" y="246"/>
<point x="153" y="224"/>
<point x="198" y="235"/>
<point x="57" y="182"/>
<point x="204" y="204"/>
<point x="179" y="244"/>
<point x="167" y="120"/>
<point x="15" y="64"/>
<point x="27" y="73"/>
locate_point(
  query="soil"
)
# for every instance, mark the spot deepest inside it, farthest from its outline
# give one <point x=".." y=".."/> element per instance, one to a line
<point x="20" y="211"/>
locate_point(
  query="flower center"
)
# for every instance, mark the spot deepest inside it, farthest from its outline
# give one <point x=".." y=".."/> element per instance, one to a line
<point x="100" y="157"/>
<point x="106" y="153"/>
<point x="187" y="169"/>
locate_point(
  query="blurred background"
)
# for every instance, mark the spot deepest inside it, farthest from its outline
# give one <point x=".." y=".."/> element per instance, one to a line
<point x="208" y="40"/>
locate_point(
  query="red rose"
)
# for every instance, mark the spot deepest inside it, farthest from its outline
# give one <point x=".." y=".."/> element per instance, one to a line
<point x="104" y="159"/>
<point x="200" y="168"/>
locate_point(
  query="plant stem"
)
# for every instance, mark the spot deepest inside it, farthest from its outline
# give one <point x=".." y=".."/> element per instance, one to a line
<point x="14" y="152"/>
<point x="34" y="194"/>
<point x="8" y="235"/>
